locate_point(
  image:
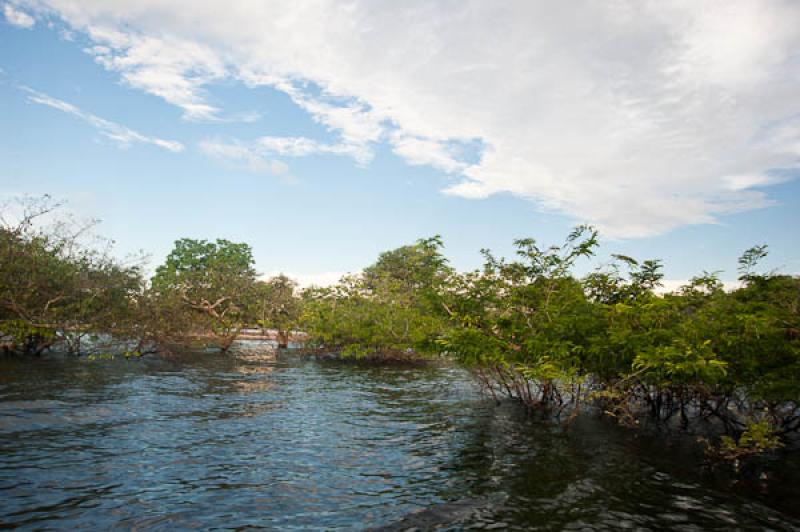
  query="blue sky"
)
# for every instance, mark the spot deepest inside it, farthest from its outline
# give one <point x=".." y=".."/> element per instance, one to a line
<point x="322" y="136"/>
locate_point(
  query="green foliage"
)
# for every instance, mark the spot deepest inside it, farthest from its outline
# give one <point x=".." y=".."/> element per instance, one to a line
<point x="203" y="272"/>
<point x="394" y="308"/>
<point x="749" y="260"/>
<point x="759" y="437"/>
<point x="528" y="328"/>
<point x="526" y="322"/>
<point x="207" y="288"/>
<point x="59" y="292"/>
<point x="680" y="362"/>
<point x="700" y="355"/>
<point x="274" y="304"/>
<point x="531" y="331"/>
<point x="54" y="288"/>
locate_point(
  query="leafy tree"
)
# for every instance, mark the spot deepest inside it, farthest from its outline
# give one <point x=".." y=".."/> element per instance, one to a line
<point x="213" y="281"/>
<point x="394" y="309"/>
<point x="55" y="290"/>
<point x="524" y="325"/>
<point x="276" y="305"/>
<point x="700" y="358"/>
<point x="748" y="262"/>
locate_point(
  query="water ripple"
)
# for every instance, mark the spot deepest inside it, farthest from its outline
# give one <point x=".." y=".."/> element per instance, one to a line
<point x="250" y="440"/>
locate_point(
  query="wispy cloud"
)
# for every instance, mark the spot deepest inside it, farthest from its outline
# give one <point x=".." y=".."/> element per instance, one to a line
<point x="120" y="134"/>
<point x="259" y="155"/>
<point x="249" y="157"/>
<point x="18" y="18"/>
<point x="166" y="66"/>
<point x="639" y="117"/>
<point x="302" y="147"/>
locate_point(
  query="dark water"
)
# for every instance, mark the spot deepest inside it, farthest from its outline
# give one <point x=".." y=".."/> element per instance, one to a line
<point x="249" y="440"/>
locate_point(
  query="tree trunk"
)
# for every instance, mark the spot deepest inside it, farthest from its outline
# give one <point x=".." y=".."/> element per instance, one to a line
<point x="283" y="339"/>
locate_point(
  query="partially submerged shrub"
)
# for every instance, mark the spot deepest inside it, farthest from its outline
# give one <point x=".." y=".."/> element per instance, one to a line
<point x="759" y="437"/>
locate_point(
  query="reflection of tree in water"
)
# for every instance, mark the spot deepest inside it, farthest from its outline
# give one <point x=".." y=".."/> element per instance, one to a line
<point x="254" y="364"/>
<point x="255" y="380"/>
<point x="509" y="468"/>
<point x="230" y="384"/>
<point x="515" y="471"/>
<point x="503" y="451"/>
<point x="512" y="470"/>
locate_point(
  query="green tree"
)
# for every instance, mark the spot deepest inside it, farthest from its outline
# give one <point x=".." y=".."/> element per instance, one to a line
<point x="55" y="290"/>
<point x="213" y="281"/>
<point x="276" y="305"/>
<point x="393" y="309"/>
<point x="523" y="325"/>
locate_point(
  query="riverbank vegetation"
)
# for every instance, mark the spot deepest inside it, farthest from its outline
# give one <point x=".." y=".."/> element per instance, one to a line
<point x="700" y="359"/>
<point x="62" y="290"/>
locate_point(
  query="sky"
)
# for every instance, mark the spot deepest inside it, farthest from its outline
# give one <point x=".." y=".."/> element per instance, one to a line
<point x="323" y="132"/>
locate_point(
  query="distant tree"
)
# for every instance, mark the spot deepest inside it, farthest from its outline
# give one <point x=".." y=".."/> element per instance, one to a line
<point x="213" y="280"/>
<point x="276" y="305"/>
<point x="393" y="309"/>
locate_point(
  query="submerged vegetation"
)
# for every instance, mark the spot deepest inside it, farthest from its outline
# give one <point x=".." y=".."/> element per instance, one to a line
<point x="700" y="359"/>
<point x="59" y="291"/>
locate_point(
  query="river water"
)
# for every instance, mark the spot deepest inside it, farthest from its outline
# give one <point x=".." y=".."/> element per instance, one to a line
<point x="281" y="442"/>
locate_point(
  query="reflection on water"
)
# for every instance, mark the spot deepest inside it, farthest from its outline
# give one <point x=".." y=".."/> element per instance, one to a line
<point x="251" y="439"/>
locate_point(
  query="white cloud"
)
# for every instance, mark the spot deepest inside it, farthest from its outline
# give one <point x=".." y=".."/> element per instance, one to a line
<point x="120" y="134"/>
<point x="291" y="146"/>
<point x="252" y="158"/>
<point x="746" y="181"/>
<point x="172" y="68"/>
<point x="302" y="146"/>
<point x="353" y="121"/>
<point x="257" y="156"/>
<point x="18" y="18"/>
<point x="630" y="115"/>
<point x="427" y="152"/>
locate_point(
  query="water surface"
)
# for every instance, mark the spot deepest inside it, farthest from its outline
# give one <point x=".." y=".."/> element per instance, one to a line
<point x="254" y="440"/>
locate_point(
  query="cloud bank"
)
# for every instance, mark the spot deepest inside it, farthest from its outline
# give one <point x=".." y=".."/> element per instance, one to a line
<point x="636" y="116"/>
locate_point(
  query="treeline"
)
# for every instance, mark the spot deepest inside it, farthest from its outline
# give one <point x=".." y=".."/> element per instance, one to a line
<point x="700" y="358"/>
<point x="61" y="291"/>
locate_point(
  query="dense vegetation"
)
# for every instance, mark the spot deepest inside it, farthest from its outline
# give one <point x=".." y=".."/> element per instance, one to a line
<point x="394" y="308"/>
<point x="701" y="358"/>
<point x="59" y="292"/>
<point x="698" y="359"/>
